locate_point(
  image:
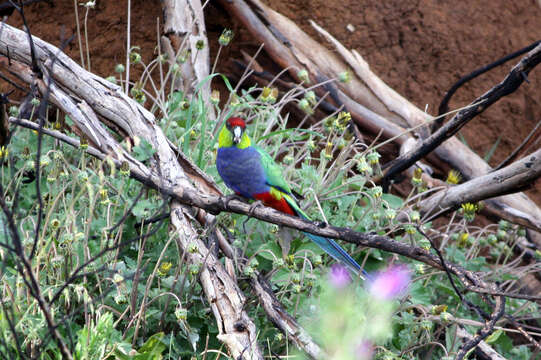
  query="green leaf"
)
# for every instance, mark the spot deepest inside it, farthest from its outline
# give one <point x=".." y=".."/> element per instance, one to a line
<point x="447" y="289"/>
<point x="68" y="120"/>
<point x="267" y="250"/>
<point x="143" y="151"/>
<point x="143" y="208"/>
<point x="393" y="201"/>
<point x="420" y="294"/>
<point x="503" y="342"/>
<point x="152" y="349"/>
<point x="521" y="353"/>
<point x="357" y="182"/>
<point x="492" y="149"/>
<point x="122" y="351"/>
<point x="309" y="248"/>
<point x="494" y="336"/>
<point x="451" y="343"/>
<point x="376" y="254"/>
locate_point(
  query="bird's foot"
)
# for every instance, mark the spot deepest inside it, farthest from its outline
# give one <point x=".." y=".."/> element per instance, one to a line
<point x="254" y="206"/>
<point x="226" y="199"/>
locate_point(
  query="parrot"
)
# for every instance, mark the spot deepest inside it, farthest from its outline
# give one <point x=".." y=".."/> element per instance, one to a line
<point x="253" y="174"/>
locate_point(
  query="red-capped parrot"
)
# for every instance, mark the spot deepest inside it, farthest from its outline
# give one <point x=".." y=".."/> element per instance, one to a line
<point x="252" y="173"/>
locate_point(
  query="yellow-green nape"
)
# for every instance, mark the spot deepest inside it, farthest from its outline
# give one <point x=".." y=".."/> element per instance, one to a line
<point x="225" y="139"/>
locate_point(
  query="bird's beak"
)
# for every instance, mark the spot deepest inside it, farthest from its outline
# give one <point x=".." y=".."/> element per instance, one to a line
<point x="237" y="134"/>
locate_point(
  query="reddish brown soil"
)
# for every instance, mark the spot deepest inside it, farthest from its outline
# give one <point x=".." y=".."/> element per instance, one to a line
<point x="419" y="47"/>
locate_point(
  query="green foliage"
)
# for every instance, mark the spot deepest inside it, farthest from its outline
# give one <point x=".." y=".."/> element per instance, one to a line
<point x="152" y="349"/>
<point x="93" y="341"/>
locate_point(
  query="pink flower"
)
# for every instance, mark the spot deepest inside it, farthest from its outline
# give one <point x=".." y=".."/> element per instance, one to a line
<point x="339" y="276"/>
<point x="390" y="283"/>
<point x="364" y="351"/>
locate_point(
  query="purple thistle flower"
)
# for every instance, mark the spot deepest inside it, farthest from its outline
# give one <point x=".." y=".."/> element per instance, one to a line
<point x="365" y="350"/>
<point x="339" y="276"/>
<point x="390" y="283"/>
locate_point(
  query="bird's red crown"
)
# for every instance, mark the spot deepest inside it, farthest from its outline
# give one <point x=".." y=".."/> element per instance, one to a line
<point x="236" y="121"/>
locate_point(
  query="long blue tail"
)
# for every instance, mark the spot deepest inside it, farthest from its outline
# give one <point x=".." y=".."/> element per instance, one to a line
<point x="328" y="245"/>
<point x="333" y="249"/>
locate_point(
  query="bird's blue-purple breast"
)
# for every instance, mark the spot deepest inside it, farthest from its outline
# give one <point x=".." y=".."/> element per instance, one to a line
<point x="242" y="171"/>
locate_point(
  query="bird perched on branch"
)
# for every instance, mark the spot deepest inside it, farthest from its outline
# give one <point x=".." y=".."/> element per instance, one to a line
<point x="252" y="173"/>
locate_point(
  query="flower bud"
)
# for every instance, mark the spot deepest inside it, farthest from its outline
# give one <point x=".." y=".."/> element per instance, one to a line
<point x="135" y="57"/>
<point x="119" y="68"/>
<point x="200" y="44"/>
<point x="344" y="77"/>
<point x="226" y="37"/>
<point x="303" y="76"/>
<point x="111" y="79"/>
<point x="215" y="97"/>
<point x="304" y="105"/>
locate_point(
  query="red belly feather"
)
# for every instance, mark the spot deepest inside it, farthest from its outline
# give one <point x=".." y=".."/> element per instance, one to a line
<point x="280" y="205"/>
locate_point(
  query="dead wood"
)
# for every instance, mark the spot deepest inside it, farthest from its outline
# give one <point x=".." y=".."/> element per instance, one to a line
<point x="511" y="83"/>
<point x="518" y="175"/>
<point x="184" y="36"/>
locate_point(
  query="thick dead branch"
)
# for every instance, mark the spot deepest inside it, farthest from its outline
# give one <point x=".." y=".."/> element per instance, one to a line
<point x="184" y="35"/>
<point x="511" y="83"/>
<point x="283" y="321"/>
<point x="482" y="347"/>
<point x="516" y="176"/>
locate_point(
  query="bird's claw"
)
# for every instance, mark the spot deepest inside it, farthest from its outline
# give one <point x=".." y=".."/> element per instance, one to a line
<point x="227" y="199"/>
<point x="254" y="206"/>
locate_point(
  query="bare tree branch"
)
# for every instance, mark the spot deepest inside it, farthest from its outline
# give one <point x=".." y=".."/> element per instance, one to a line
<point x="512" y="178"/>
<point x="511" y="83"/>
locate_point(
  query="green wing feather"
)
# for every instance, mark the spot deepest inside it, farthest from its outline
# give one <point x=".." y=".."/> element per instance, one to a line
<point x="273" y="172"/>
<point x="275" y="179"/>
